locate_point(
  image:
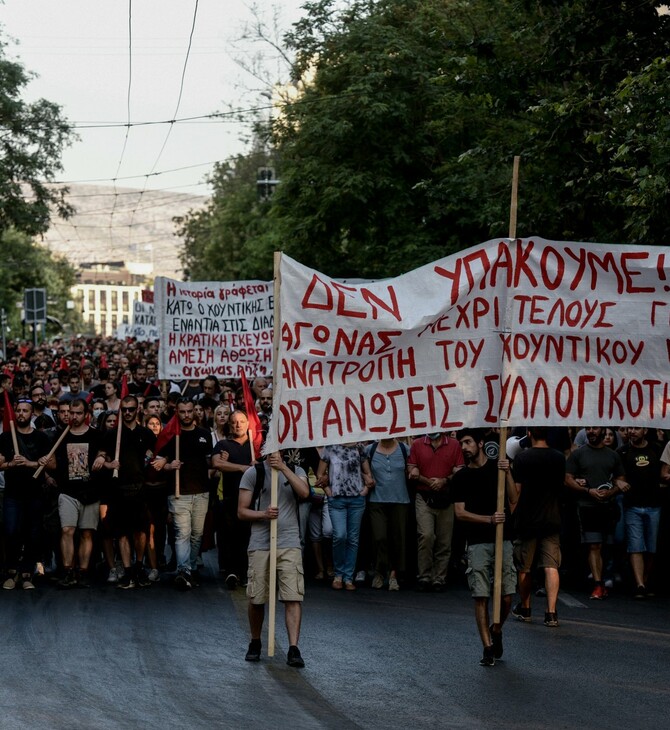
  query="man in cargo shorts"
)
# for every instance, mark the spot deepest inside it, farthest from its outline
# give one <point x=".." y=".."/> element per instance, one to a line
<point x="254" y="505"/>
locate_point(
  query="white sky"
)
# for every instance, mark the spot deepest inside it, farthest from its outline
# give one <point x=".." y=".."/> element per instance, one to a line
<point x="80" y="51"/>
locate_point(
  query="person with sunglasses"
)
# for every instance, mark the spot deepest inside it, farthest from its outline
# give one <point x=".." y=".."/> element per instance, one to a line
<point x="128" y="512"/>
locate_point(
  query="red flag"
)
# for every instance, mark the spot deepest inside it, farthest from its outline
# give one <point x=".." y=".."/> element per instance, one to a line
<point x="147" y="390"/>
<point x="63" y="364"/>
<point x="8" y="415"/>
<point x="172" y="429"/>
<point x="124" y="387"/>
<point x="255" y="428"/>
<point x="8" y="371"/>
<point x="90" y="397"/>
<point x="103" y="361"/>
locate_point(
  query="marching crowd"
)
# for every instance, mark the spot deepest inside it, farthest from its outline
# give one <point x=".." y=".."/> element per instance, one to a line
<point x="108" y="474"/>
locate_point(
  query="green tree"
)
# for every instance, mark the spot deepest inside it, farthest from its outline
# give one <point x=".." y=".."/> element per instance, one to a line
<point x="400" y="148"/>
<point x="218" y="238"/>
<point x="32" y="139"/>
<point x="27" y="265"/>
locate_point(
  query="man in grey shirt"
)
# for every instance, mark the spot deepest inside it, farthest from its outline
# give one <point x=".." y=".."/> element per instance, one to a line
<point x="290" y="576"/>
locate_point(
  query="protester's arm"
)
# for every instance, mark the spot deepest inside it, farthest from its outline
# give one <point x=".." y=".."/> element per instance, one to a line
<point x="510" y="485"/>
<point x="580" y="487"/>
<point x="665" y="472"/>
<point x="465" y="516"/>
<point x="244" y="511"/>
<point x="299" y="484"/>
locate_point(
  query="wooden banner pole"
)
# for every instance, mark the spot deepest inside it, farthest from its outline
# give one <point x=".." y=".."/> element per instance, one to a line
<point x="502" y="453"/>
<point x="274" y="485"/>
<point x="40" y="469"/>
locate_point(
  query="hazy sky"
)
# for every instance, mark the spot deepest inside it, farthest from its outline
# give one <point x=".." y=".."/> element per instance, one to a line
<point x="86" y="62"/>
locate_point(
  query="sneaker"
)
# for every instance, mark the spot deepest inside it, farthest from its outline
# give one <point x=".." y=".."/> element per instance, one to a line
<point x="393" y="584"/>
<point x="488" y="660"/>
<point x="196" y="578"/>
<point x="496" y="643"/>
<point x="551" y="619"/>
<point x="520" y="613"/>
<point x="254" y="651"/>
<point x="153" y="575"/>
<point x="349" y="586"/>
<point x="231" y="581"/>
<point x="69" y="580"/>
<point x="360" y="577"/>
<point x="113" y="576"/>
<point x="640" y="592"/>
<point x="182" y="581"/>
<point x="10" y="583"/>
<point x="27" y="582"/>
<point x="82" y="580"/>
<point x="438" y="587"/>
<point x="294" y="659"/>
<point x="599" y="593"/>
<point x="126" y="581"/>
<point x="141" y="578"/>
<point x="377" y="581"/>
<point x="337" y="583"/>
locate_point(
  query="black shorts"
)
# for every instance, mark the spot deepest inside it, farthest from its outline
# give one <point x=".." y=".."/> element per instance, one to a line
<point x="128" y="514"/>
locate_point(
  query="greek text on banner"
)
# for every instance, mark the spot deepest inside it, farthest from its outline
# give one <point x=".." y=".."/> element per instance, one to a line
<point x="527" y="331"/>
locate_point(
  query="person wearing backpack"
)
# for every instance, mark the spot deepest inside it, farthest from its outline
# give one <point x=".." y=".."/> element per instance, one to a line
<point x="254" y="506"/>
<point x="388" y="510"/>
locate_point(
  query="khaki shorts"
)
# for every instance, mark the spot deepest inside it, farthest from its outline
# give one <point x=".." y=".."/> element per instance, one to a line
<point x="548" y="550"/>
<point x="290" y="576"/>
<point x="73" y="513"/>
<point x="481" y="560"/>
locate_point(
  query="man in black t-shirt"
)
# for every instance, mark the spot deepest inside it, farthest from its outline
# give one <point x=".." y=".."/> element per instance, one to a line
<point x="539" y="475"/>
<point x="190" y="508"/>
<point x="475" y="493"/>
<point x="76" y="461"/>
<point x="23" y="500"/>
<point x="128" y="514"/>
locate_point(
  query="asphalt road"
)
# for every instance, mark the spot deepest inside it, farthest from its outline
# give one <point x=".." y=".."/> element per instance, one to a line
<point x="155" y="658"/>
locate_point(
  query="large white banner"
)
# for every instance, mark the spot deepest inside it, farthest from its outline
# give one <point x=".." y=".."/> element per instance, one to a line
<point x="525" y="332"/>
<point x="213" y="328"/>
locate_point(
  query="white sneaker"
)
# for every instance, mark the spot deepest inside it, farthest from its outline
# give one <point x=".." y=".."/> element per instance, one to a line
<point x="153" y="575"/>
<point x="393" y="584"/>
<point x="113" y="576"/>
<point x="377" y="581"/>
<point x="360" y="577"/>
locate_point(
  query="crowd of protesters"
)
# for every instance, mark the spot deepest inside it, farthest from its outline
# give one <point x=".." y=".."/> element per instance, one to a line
<point x="110" y="475"/>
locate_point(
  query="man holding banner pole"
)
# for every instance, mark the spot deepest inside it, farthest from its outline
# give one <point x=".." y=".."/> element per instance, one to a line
<point x="475" y="490"/>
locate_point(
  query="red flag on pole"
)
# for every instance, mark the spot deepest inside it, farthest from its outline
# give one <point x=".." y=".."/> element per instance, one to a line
<point x="63" y="364"/>
<point x="255" y="428"/>
<point x="8" y="417"/>
<point x="172" y="429"/>
<point x="124" y="387"/>
<point x="103" y="361"/>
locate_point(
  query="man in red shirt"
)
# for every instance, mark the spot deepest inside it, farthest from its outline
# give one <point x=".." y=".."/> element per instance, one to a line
<point x="433" y="460"/>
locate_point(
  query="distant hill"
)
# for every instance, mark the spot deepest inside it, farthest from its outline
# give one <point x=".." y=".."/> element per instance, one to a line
<point x="122" y="224"/>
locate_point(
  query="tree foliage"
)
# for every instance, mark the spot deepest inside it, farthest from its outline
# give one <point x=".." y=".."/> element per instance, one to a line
<point x="28" y="265"/>
<point x="399" y="148"/>
<point x="32" y="139"/>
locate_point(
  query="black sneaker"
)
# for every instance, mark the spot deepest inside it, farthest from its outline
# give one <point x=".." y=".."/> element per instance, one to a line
<point x="195" y="578"/>
<point x="293" y="658"/>
<point x="231" y="581"/>
<point x="69" y="580"/>
<point x="497" y="643"/>
<point x="488" y="660"/>
<point x="83" y="580"/>
<point x="640" y="592"/>
<point x="551" y="619"/>
<point x="520" y="613"/>
<point x="141" y="578"/>
<point x="127" y="581"/>
<point x="424" y="586"/>
<point x="254" y="651"/>
<point x="182" y="581"/>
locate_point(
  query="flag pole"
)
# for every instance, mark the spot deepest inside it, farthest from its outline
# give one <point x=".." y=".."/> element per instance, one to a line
<point x="40" y="469"/>
<point x="272" y="608"/>
<point x="502" y="453"/>
<point x="177" y="483"/>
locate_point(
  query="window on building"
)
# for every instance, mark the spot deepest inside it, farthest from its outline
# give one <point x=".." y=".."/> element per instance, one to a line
<point x="103" y="300"/>
<point x="91" y="299"/>
<point x="115" y="300"/>
<point x="124" y="299"/>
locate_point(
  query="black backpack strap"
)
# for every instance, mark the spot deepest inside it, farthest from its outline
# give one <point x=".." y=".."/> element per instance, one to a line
<point x="258" y="486"/>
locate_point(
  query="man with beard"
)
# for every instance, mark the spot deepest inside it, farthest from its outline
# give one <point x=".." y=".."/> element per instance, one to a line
<point x="38" y="397"/>
<point x="596" y="475"/>
<point x="475" y="491"/>
<point x="24" y="504"/>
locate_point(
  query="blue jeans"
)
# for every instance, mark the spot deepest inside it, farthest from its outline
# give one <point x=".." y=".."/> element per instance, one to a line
<point x="346" y="514"/>
<point x="188" y="514"/>
<point x="642" y="528"/>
